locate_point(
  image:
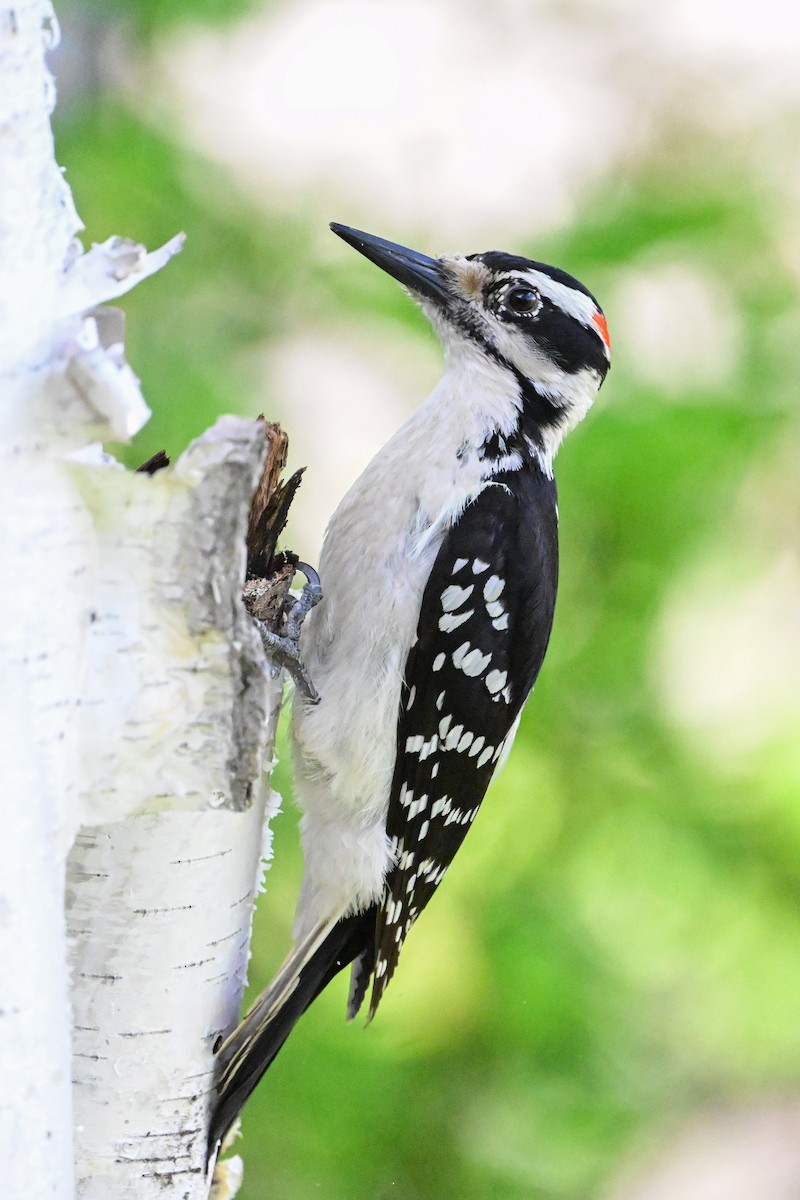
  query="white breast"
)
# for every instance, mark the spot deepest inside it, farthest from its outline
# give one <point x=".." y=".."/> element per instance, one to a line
<point x="376" y="558"/>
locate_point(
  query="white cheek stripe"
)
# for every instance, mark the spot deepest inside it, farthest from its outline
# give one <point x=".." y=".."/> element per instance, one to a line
<point x="573" y="303"/>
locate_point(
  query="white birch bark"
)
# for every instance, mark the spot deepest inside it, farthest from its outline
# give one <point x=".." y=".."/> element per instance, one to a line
<point x="136" y="708"/>
<point x="162" y="875"/>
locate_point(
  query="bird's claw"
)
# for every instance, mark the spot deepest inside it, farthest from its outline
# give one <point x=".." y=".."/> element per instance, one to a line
<point x="302" y="606"/>
<point x="284" y="649"/>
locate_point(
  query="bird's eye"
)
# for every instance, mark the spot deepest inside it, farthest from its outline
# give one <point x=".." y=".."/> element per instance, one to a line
<point x="523" y="300"/>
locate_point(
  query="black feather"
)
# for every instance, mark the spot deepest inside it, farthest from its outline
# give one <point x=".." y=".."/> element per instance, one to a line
<point x="440" y="778"/>
<point x="244" y="1058"/>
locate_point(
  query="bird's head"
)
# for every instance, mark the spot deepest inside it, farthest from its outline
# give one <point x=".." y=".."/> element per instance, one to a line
<point x="535" y="323"/>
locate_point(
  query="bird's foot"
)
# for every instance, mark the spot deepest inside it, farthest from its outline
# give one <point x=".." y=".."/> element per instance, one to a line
<point x="284" y="648"/>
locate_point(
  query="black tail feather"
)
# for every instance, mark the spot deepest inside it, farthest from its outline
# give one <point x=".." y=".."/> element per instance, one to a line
<point x="254" y="1053"/>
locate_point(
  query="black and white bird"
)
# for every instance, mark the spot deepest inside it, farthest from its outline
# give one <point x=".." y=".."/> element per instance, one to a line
<point x="439" y="571"/>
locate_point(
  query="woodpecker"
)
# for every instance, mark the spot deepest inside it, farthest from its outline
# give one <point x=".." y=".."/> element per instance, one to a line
<point x="439" y="571"/>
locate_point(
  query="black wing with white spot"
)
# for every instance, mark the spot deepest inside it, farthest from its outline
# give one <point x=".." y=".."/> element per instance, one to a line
<point x="483" y="630"/>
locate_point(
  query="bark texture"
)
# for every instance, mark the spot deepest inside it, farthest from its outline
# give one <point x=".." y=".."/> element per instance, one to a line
<point x="138" y="711"/>
<point x="178" y="709"/>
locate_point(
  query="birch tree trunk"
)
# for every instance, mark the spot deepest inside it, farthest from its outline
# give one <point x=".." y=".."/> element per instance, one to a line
<point x="162" y="874"/>
<point x="138" y="711"/>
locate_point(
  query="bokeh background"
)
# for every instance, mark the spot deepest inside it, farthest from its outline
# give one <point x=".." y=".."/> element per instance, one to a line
<point x="603" y="1001"/>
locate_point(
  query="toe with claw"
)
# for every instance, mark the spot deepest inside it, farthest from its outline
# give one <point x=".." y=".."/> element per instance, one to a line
<point x="284" y="648"/>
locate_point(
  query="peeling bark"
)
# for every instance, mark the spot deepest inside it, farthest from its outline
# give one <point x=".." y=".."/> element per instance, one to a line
<point x="139" y="712"/>
<point x="163" y="873"/>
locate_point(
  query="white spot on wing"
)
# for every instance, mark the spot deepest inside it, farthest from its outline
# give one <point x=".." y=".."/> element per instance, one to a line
<point x="417" y="807"/>
<point x="453" y="736"/>
<point x="496" y="680"/>
<point x="459" y="564"/>
<point x="460" y="654"/>
<point x="451" y="621"/>
<point x="479" y="566"/>
<point x="438" y="662"/>
<point x="454" y="596"/>
<point x="475" y="663"/>
<point x="493" y="587"/>
<point x="428" y="748"/>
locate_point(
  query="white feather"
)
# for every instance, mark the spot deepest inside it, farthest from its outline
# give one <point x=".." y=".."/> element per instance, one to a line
<point x="356" y="642"/>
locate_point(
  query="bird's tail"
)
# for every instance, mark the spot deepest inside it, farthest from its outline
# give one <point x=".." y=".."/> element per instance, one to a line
<point x="244" y="1057"/>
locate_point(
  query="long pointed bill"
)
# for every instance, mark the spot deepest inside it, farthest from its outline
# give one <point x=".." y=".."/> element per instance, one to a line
<point x="415" y="271"/>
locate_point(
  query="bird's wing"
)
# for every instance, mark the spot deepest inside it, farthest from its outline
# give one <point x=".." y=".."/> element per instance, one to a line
<point x="483" y="630"/>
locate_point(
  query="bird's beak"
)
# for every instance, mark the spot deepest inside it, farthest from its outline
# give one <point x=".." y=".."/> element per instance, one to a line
<point x="422" y="275"/>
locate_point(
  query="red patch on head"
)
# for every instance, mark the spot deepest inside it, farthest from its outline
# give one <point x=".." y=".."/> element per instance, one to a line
<point x="601" y="325"/>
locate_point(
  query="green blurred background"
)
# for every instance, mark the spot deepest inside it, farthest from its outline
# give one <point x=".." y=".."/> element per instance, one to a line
<point x="615" y="952"/>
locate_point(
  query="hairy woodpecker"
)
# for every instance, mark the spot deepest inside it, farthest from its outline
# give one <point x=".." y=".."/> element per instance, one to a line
<point x="439" y="571"/>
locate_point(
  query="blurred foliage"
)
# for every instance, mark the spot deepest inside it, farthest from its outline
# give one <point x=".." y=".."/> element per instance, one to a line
<point x="145" y="19"/>
<point x="618" y="941"/>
